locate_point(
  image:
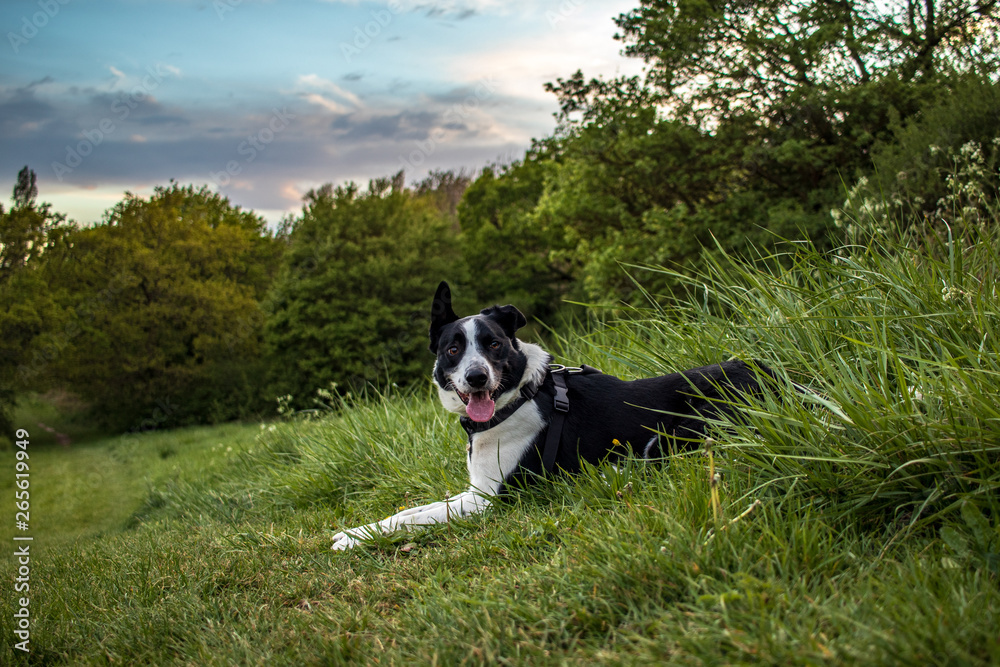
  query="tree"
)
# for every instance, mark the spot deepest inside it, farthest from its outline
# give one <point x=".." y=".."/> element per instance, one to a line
<point x="443" y="188"/>
<point x="27" y="232"/>
<point x="512" y="257"/>
<point x="750" y="120"/>
<point x="28" y="229"/>
<point x="826" y="80"/>
<point x="718" y="57"/>
<point x="351" y="303"/>
<point x="161" y="301"/>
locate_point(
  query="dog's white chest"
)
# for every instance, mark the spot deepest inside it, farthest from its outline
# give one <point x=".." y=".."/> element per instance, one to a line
<point x="496" y="452"/>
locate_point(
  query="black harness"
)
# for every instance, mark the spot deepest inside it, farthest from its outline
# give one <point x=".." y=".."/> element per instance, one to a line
<point x="559" y="373"/>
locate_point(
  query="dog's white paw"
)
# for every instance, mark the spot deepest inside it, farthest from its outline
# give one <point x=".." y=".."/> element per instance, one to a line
<point x="342" y="542"/>
<point x="348" y="539"/>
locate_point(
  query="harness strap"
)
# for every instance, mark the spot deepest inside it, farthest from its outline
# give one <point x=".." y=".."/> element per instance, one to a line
<point x="558" y="417"/>
<point x="554" y="434"/>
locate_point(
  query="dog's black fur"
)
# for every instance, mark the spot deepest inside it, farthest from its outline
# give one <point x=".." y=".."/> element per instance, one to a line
<point x="645" y="417"/>
<point x="665" y="412"/>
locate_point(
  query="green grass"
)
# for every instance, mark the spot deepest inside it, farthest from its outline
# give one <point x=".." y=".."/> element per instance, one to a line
<point x="98" y="486"/>
<point x="876" y="539"/>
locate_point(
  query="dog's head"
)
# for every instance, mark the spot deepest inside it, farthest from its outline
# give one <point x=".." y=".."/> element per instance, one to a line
<point x="479" y="360"/>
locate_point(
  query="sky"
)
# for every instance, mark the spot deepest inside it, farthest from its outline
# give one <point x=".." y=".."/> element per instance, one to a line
<point x="264" y="100"/>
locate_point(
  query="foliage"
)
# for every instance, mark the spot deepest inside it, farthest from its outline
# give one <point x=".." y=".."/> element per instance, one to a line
<point x="632" y="186"/>
<point x="977" y="541"/>
<point x="750" y="120"/>
<point x="27" y="231"/>
<point x="950" y="145"/>
<point x="350" y="304"/>
<point x="726" y="57"/>
<point x="510" y="256"/>
<point x="748" y="124"/>
<point x="161" y="304"/>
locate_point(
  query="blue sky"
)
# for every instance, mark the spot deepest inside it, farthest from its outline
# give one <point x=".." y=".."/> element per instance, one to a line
<point x="265" y="100"/>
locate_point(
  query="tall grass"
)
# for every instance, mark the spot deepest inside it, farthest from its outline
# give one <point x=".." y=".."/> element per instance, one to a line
<point x="901" y="348"/>
<point x="897" y="334"/>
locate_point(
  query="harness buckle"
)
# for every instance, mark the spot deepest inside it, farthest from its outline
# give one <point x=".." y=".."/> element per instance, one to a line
<point x="562" y="393"/>
<point x="562" y="398"/>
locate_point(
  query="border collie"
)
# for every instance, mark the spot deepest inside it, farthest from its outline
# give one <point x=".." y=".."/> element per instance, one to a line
<point x="526" y="417"/>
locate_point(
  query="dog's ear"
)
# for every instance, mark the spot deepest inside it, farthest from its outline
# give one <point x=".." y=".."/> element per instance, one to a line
<point x="509" y="318"/>
<point x="441" y="313"/>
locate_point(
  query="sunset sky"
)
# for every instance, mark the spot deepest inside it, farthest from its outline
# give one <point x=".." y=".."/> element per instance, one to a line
<point x="265" y="100"/>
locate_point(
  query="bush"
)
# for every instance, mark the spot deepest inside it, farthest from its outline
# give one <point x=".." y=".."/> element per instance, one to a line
<point x="930" y="157"/>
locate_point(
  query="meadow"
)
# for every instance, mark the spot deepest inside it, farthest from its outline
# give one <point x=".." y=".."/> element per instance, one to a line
<point x="856" y="525"/>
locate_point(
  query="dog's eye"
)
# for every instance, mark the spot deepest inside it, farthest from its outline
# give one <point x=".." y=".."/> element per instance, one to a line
<point x="453" y="350"/>
<point x="495" y="345"/>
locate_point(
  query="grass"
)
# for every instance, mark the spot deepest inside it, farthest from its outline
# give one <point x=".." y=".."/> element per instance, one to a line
<point x="875" y="539"/>
<point x="96" y="487"/>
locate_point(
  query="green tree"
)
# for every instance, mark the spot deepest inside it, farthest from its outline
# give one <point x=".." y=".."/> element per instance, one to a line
<point x="28" y="231"/>
<point x="749" y="122"/>
<point x="720" y="57"/>
<point x="350" y="305"/>
<point x="826" y="81"/>
<point x="162" y="301"/>
<point x="511" y="256"/>
<point x="918" y="167"/>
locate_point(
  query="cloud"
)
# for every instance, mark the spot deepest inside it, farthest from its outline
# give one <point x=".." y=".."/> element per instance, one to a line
<point x="442" y="99"/>
<point x="320" y="101"/>
<point x="22" y="111"/>
<point x="330" y="96"/>
<point x="524" y="64"/>
<point x="319" y="83"/>
<point x="40" y="82"/>
<point x="399" y="126"/>
<point x="460" y="9"/>
<point x="119" y="75"/>
<point x="330" y="135"/>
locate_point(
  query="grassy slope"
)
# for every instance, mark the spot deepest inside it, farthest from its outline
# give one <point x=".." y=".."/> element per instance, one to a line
<point x="843" y="560"/>
<point x="93" y="488"/>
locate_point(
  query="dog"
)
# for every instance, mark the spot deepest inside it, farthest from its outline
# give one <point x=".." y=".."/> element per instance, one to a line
<point x="526" y="418"/>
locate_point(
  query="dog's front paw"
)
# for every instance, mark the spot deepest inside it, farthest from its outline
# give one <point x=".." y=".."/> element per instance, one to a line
<point x="348" y="539"/>
<point x="342" y="542"/>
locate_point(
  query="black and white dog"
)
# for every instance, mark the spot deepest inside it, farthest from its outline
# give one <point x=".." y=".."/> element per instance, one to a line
<point x="524" y="416"/>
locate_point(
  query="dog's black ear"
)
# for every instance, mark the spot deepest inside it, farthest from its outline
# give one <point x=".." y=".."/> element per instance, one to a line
<point x="509" y="318"/>
<point x="441" y="313"/>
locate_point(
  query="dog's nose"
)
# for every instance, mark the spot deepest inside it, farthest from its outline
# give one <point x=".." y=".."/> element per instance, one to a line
<point x="477" y="378"/>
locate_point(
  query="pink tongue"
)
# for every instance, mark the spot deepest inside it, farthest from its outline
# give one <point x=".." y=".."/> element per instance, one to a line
<point x="480" y="407"/>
